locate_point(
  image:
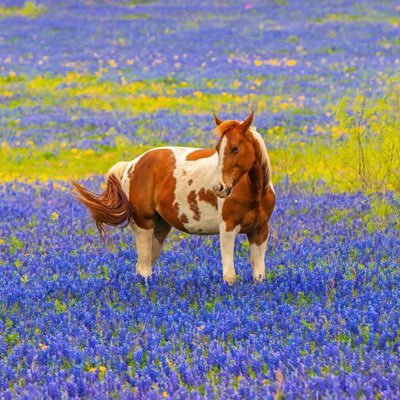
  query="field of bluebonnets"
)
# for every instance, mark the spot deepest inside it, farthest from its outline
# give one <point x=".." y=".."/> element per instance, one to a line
<point x="84" y="84"/>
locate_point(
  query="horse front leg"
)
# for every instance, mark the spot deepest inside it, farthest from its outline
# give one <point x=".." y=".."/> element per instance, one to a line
<point x="258" y="247"/>
<point x="227" y="243"/>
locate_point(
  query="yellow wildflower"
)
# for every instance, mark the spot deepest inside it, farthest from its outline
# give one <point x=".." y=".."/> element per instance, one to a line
<point x="102" y="371"/>
<point x="274" y="62"/>
<point x="336" y="131"/>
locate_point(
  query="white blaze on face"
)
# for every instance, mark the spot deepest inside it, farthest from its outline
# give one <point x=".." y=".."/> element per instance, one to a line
<point x="221" y="159"/>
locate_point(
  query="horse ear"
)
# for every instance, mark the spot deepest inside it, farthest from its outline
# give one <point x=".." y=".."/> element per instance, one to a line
<point x="245" y="125"/>
<point x="217" y="120"/>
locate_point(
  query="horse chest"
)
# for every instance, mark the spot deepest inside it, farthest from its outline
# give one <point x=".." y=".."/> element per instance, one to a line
<point x="253" y="219"/>
<point x="241" y="209"/>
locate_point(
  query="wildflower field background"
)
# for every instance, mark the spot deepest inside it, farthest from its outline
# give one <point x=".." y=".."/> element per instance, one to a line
<point x="84" y="84"/>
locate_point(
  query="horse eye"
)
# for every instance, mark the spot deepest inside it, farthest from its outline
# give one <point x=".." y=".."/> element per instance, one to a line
<point x="235" y="149"/>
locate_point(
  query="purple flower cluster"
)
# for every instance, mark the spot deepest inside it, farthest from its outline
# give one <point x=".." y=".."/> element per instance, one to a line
<point x="211" y="39"/>
<point x="76" y="321"/>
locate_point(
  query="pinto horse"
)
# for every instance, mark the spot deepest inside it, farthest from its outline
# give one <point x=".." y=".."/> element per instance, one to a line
<point x="227" y="190"/>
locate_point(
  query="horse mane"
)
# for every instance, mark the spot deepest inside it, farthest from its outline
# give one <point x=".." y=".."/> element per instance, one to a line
<point x="265" y="162"/>
<point x="264" y="157"/>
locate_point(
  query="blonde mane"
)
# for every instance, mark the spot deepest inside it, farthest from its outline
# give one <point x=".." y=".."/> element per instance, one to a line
<point x="264" y="157"/>
<point x="265" y="161"/>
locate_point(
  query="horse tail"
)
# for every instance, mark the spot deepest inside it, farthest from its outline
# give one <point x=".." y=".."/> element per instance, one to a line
<point x="111" y="207"/>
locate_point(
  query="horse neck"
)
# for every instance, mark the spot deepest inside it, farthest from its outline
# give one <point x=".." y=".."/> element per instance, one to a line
<point x="257" y="178"/>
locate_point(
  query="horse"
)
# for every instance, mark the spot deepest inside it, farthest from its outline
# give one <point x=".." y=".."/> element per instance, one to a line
<point x="225" y="190"/>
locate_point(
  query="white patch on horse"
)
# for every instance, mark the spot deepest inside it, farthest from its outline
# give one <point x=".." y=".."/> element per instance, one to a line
<point x="257" y="257"/>
<point x="192" y="176"/>
<point x="144" y="241"/>
<point x="117" y="169"/>
<point x="227" y="242"/>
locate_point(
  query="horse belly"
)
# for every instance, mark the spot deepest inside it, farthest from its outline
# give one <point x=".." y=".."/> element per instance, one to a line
<point x="207" y="224"/>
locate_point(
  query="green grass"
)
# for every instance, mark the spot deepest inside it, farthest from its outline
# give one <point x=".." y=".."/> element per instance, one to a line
<point x="366" y="18"/>
<point x="95" y="93"/>
<point x="362" y="154"/>
<point x="39" y="164"/>
<point x="358" y="150"/>
<point x="29" y="10"/>
<point x="135" y="16"/>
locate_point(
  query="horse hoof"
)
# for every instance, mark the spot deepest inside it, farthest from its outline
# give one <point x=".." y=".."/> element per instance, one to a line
<point x="145" y="276"/>
<point x="143" y="271"/>
<point x="230" y="279"/>
<point x="258" y="278"/>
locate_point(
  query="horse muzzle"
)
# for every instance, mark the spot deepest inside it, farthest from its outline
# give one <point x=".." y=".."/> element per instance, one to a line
<point x="222" y="191"/>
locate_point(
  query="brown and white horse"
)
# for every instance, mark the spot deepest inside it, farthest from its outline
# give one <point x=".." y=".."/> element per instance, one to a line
<point x="227" y="190"/>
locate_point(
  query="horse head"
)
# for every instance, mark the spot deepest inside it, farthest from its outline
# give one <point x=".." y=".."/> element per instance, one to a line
<point x="236" y="153"/>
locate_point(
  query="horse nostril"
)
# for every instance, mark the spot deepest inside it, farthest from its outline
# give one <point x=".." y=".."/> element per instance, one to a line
<point x="221" y="187"/>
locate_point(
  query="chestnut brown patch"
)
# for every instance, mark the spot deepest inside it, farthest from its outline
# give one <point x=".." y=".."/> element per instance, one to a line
<point x="226" y="126"/>
<point x="194" y="207"/>
<point x="161" y="229"/>
<point x="183" y="218"/>
<point x="198" y="154"/>
<point x="208" y="196"/>
<point x="151" y="168"/>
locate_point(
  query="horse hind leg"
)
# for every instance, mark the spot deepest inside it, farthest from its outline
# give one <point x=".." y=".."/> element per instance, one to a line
<point x="161" y="230"/>
<point x="144" y="242"/>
